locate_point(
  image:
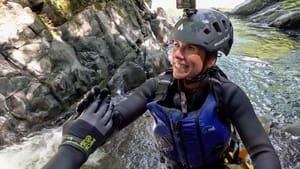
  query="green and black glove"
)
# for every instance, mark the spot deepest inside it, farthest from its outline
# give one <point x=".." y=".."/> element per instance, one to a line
<point x="93" y="123"/>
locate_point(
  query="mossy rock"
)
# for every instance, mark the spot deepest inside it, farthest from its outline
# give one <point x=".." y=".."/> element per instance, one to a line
<point x="294" y="128"/>
<point x="59" y="11"/>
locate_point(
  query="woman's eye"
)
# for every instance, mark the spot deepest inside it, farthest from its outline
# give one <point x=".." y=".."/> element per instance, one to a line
<point x="176" y="45"/>
<point x="192" y="48"/>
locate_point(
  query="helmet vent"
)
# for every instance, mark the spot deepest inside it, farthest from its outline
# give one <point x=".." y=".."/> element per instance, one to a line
<point x="224" y="24"/>
<point x="206" y="31"/>
<point x="217" y="27"/>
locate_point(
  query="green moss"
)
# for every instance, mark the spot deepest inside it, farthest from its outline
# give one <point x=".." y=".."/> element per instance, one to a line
<point x="99" y="6"/>
<point x="113" y="3"/>
<point x="48" y="25"/>
<point x="67" y="8"/>
<point x="123" y="14"/>
<point x="33" y="2"/>
<point x="64" y="8"/>
<point x="103" y="84"/>
<point x="291" y="3"/>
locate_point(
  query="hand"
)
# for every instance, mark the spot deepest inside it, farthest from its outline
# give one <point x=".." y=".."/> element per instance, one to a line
<point x="94" y="124"/>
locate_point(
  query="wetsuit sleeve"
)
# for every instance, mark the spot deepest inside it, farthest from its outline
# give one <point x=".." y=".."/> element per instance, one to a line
<point x="134" y="106"/>
<point x="250" y="129"/>
<point x="66" y="157"/>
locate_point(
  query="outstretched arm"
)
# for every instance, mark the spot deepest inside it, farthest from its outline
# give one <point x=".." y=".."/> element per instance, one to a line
<point x="135" y="105"/>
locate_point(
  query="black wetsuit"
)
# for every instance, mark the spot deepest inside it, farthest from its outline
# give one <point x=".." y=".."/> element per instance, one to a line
<point x="241" y="115"/>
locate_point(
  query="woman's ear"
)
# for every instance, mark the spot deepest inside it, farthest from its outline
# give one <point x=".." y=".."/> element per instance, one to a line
<point x="211" y="61"/>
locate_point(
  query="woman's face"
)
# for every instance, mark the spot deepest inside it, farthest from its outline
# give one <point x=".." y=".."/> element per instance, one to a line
<point x="187" y="60"/>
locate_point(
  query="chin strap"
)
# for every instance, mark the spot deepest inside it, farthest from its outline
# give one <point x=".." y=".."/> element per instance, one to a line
<point x="197" y="78"/>
<point x="202" y="75"/>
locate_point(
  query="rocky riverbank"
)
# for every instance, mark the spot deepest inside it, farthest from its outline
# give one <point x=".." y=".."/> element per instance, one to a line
<point x="281" y="14"/>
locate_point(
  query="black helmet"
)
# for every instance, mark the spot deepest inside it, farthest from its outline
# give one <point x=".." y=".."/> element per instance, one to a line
<point x="207" y="28"/>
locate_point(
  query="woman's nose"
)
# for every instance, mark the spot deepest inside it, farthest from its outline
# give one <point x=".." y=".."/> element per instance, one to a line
<point x="177" y="54"/>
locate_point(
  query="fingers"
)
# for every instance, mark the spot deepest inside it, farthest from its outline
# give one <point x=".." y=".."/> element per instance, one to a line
<point x="104" y="93"/>
<point x="107" y="118"/>
<point x="104" y="116"/>
<point x="92" y="108"/>
<point x="96" y="90"/>
<point x="81" y="106"/>
<point x="109" y="124"/>
<point x="103" y="107"/>
<point x="88" y="98"/>
<point x="105" y="111"/>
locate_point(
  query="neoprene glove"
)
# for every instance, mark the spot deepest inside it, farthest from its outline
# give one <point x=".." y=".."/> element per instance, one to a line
<point x="93" y="123"/>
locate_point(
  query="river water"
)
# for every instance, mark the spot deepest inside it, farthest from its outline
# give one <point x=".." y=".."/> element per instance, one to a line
<point x="264" y="62"/>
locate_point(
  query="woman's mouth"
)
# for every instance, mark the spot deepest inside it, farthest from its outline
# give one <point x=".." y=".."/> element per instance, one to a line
<point x="178" y="65"/>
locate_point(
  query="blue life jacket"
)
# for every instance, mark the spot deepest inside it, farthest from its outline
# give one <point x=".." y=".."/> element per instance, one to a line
<point x="192" y="139"/>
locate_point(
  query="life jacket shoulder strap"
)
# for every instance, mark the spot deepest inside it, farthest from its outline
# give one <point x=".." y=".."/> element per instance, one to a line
<point x="216" y="79"/>
<point x="216" y="88"/>
<point x="165" y="80"/>
<point x="232" y="153"/>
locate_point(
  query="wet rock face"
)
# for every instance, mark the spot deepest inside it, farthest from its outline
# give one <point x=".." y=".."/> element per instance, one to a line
<point x="47" y="64"/>
<point x="284" y="140"/>
<point x="282" y="14"/>
<point x="252" y="6"/>
<point x="293" y="129"/>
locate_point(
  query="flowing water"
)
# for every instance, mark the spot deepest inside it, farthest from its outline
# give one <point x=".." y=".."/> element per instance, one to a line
<point x="264" y="62"/>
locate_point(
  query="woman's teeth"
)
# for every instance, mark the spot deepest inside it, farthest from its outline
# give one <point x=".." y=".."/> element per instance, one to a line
<point x="178" y="65"/>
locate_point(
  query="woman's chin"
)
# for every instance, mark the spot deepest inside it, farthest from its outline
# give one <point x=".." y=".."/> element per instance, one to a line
<point x="178" y="75"/>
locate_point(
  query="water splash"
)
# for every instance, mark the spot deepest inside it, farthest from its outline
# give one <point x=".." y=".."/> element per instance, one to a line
<point x="33" y="152"/>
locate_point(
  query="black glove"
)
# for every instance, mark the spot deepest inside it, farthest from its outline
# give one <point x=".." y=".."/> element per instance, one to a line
<point x="93" y="124"/>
